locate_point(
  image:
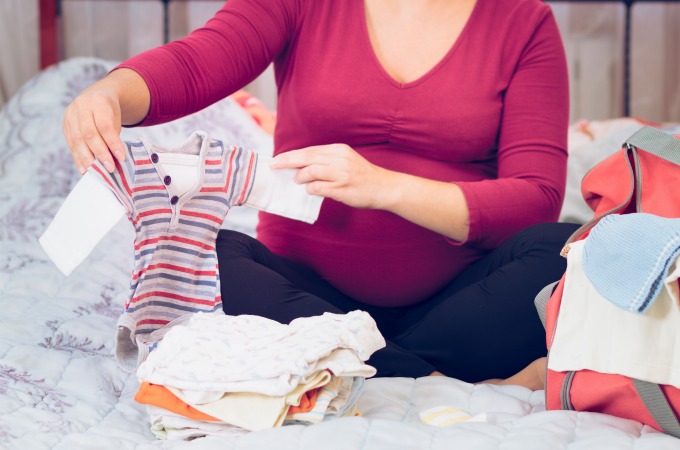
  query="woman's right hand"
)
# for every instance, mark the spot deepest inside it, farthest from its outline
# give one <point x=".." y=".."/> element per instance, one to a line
<point x="93" y="121"/>
<point x="92" y="126"/>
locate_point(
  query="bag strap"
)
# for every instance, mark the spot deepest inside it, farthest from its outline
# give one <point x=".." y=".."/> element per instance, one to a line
<point x="541" y="301"/>
<point x="657" y="404"/>
<point x="650" y="140"/>
<point x="656" y="142"/>
<point x="565" y="392"/>
<point x="633" y="173"/>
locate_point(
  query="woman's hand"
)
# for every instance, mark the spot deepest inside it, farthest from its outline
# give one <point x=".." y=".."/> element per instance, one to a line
<point x="92" y="122"/>
<point x="92" y="128"/>
<point x="338" y="172"/>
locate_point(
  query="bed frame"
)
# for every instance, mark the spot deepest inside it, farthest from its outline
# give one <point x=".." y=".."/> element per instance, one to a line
<point x="50" y="12"/>
<point x="627" y="35"/>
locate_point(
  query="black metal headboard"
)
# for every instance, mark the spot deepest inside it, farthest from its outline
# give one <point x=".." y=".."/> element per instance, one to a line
<point x="166" y="16"/>
<point x="628" y="6"/>
<point x="50" y="11"/>
<point x="50" y="15"/>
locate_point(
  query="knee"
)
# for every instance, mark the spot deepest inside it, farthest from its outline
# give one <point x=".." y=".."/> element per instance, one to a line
<point x="233" y="243"/>
<point x="550" y="235"/>
<point x="540" y="246"/>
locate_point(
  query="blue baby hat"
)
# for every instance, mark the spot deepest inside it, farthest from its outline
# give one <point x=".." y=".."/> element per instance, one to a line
<point x="627" y="257"/>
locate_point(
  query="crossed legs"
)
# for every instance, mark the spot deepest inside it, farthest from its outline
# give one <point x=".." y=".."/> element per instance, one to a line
<point x="483" y="326"/>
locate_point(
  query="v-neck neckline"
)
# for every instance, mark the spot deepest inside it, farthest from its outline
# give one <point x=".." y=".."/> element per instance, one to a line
<point x="366" y="37"/>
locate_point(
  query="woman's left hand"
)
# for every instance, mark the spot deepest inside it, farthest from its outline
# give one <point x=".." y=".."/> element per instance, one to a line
<point x="338" y="172"/>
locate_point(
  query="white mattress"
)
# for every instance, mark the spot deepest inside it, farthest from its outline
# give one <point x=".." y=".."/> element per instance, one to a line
<point x="60" y="387"/>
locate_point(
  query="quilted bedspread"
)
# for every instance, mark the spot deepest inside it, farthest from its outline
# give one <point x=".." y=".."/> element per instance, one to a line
<point x="61" y="389"/>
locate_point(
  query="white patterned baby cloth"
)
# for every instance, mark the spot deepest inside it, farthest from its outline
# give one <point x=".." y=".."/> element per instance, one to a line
<point x="216" y="353"/>
<point x="176" y="199"/>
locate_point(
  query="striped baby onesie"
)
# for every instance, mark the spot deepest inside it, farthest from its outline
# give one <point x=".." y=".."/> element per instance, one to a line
<point x="176" y="199"/>
<point x="175" y="265"/>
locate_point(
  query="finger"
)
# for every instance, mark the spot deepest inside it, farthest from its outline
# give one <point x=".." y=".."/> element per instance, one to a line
<point x="66" y="131"/>
<point x="314" y="188"/>
<point x="315" y="172"/>
<point x="107" y="125"/>
<point x="85" y="156"/>
<point x="79" y="151"/>
<point x="295" y="159"/>
<point x="322" y="189"/>
<point x="93" y="140"/>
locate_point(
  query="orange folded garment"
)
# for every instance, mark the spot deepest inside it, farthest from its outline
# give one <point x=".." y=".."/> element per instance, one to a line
<point x="157" y="395"/>
<point x="307" y="402"/>
<point x="160" y="396"/>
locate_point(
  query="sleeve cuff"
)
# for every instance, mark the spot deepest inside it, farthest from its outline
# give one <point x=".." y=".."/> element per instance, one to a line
<point x="89" y="212"/>
<point x="275" y="191"/>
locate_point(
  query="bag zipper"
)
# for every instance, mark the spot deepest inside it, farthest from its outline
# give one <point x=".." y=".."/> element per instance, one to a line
<point x="635" y="175"/>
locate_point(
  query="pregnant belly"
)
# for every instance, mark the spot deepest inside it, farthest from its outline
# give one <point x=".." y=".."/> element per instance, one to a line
<point x="372" y="256"/>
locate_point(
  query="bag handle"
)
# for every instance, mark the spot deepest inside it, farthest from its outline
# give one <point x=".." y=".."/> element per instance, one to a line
<point x="541" y="300"/>
<point x="657" y="143"/>
<point x="650" y="140"/>
<point x="657" y="404"/>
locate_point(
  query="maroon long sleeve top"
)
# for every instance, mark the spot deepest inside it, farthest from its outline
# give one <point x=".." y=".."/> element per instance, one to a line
<point x="490" y="116"/>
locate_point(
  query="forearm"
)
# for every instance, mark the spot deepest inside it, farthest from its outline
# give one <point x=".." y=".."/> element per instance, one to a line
<point x="131" y="91"/>
<point x="435" y="205"/>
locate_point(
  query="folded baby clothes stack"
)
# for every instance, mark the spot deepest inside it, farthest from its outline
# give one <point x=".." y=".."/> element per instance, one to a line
<point x="219" y="374"/>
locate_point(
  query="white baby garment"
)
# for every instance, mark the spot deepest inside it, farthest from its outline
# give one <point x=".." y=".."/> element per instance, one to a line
<point x="592" y="333"/>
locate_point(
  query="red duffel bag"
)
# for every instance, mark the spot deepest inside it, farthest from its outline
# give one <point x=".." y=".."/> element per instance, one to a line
<point x="643" y="177"/>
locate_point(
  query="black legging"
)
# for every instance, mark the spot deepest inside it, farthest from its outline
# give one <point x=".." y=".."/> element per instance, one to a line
<point x="483" y="325"/>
